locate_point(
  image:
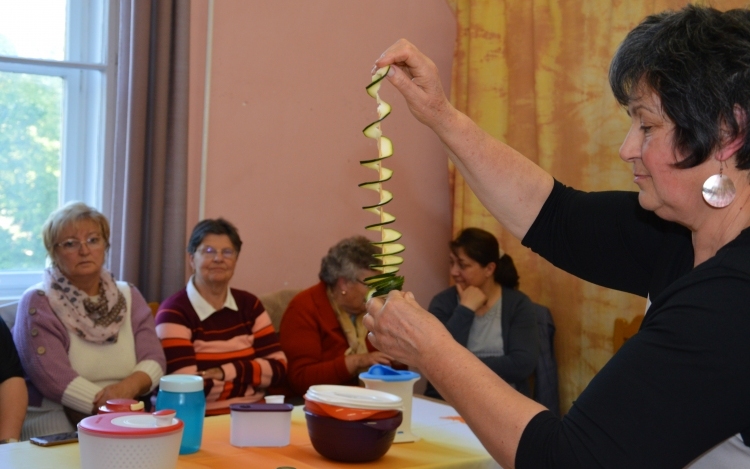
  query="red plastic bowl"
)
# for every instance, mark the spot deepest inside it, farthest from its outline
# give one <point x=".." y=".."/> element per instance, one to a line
<point x="355" y="441"/>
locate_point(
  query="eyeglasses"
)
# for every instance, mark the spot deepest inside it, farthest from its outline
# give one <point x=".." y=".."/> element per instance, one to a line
<point x="227" y="253"/>
<point x="74" y="245"/>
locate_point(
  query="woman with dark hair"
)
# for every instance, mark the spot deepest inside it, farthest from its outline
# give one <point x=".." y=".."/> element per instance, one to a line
<point x="321" y="331"/>
<point x="676" y="394"/>
<point x="220" y="333"/>
<point x="485" y="312"/>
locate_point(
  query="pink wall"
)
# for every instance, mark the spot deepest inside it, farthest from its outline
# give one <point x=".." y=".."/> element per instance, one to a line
<point x="287" y="106"/>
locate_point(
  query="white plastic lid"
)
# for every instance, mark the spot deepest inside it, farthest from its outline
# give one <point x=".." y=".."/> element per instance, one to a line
<point x="354" y="397"/>
<point x="181" y="383"/>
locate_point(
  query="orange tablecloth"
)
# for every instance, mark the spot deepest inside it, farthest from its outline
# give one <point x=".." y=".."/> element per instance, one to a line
<point x="445" y="442"/>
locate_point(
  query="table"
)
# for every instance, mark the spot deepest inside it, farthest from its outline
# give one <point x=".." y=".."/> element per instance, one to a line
<point x="446" y="442"/>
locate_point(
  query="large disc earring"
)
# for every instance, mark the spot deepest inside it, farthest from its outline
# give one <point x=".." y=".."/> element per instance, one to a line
<point x="719" y="190"/>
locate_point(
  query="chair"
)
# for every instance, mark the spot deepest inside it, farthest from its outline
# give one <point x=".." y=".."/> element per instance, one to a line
<point x="154" y="305"/>
<point x="625" y="330"/>
<point x="276" y="303"/>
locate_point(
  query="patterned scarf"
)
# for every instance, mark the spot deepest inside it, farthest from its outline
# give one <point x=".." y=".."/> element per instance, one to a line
<point x="94" y="319"/>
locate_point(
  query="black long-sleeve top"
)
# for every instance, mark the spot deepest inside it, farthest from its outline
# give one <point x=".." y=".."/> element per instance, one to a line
<point x="678" y="387"/>
<point x="10" y="364"/>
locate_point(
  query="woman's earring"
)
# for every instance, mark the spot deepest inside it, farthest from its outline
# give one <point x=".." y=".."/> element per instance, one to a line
<point x="719" y="190"/>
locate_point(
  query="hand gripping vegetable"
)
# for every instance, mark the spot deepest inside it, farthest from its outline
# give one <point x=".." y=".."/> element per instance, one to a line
<point x="387" y="279"/>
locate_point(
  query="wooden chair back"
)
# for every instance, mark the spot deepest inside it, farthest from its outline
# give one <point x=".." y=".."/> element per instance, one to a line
<point x="624" y="330"/>
<point x="154" y="305"/>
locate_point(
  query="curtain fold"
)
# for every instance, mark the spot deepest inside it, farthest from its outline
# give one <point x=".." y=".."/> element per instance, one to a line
<point x="534" y="75"/>
<point x="149" y="173"/>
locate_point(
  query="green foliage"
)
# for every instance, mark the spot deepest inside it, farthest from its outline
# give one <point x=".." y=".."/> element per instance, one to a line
<point x="30" y="130"/>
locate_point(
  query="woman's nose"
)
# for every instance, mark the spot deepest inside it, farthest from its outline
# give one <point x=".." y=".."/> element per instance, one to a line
<point x="631" y="146"/>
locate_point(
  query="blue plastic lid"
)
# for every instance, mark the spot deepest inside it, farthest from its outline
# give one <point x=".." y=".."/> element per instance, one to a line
<point x="181" y="383"/>
<point x="386" y="373"/>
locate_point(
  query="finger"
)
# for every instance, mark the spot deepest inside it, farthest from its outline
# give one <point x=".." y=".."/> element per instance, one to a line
<point x="403" y="82"/>
<point x="409" y="297"/>
<point x="368" y="321"/>
<point x="402" y="51"/>
<point x="374" y="304"/>
<point x="373" y="340"/>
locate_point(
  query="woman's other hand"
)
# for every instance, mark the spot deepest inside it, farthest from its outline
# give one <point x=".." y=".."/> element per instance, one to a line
<point x="472" y="297"/>
<point x="212" y="373"/>
<point x="366" y="360"/>
<point x="416" y="77"/>
<point x="137" y="384"/>
<point x="404" y="330"/>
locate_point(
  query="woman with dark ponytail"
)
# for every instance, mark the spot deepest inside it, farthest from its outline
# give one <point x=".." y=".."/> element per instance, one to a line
<point x="485" y="312"/>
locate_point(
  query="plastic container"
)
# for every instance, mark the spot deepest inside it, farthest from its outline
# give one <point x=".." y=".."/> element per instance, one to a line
<point x="184" y="393"/>
<point x="275" y="399"/>
<point x="121" y="405"/>
<point x="260" y="424"/>
<point x="399" y="383"/>
<point x="356" y="441"/>
<point x="130" y="440"/>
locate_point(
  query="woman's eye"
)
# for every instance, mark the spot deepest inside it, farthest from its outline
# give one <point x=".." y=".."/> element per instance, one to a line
<point x="645" y="128"/>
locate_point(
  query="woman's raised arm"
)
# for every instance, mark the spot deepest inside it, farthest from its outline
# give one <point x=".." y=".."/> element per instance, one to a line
<point x="512" y="187"/>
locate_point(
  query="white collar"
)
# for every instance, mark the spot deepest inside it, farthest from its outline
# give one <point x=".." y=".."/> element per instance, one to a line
<point x="202" y="307"/>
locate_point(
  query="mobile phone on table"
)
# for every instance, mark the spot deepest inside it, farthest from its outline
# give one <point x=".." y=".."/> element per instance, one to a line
<point x="56" y="439"/>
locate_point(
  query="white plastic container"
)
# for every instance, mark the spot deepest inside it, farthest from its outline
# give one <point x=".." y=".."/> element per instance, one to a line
<point x="260" y="424"/>
<point x="399" y="383"/>
<point x="130" y="440"/>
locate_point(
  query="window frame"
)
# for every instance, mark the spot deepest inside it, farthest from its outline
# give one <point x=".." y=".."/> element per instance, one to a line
<point x="88" y="113"/>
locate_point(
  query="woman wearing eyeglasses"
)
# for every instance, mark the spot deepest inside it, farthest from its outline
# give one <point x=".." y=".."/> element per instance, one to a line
<point x="82" y="336"/>
<point x="321" y="330"/>
<point x="218" y="332"/>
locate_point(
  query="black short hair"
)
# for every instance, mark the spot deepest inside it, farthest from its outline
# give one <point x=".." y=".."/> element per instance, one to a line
<point x="218" y="226"/>
<point x="482" y="247"/>
<point x="697" y="60"/>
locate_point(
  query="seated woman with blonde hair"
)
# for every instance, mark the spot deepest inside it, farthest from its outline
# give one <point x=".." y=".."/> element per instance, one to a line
<point x="321" y="331"/>
<point x="82" y="336"/>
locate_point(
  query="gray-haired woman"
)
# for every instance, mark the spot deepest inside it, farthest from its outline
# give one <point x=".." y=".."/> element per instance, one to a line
<point x="321" y="331"/>
<point x="83" y="337"/>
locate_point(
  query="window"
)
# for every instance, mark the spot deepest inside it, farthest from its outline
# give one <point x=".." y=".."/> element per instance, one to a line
<point x="57" y="70"/>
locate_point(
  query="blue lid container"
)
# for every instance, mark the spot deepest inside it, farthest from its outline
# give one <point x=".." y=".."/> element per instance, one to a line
<point x="184" y="393"/>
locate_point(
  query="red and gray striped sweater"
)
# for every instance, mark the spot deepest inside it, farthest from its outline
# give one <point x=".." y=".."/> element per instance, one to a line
<point x="243" y="343"/>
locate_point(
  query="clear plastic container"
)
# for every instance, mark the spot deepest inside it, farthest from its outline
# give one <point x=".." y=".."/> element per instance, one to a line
<point x="184" y="394"/>
<point x="260" y="424"/>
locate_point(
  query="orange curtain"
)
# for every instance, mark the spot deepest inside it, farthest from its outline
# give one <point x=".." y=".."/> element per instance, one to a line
<point x="533" y="73"/>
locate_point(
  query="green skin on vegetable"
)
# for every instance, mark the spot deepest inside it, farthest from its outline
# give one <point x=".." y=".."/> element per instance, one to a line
<point x="387" y="279"/>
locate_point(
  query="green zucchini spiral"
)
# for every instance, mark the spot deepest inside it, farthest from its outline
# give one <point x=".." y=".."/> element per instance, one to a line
<point x="387" y="279"/>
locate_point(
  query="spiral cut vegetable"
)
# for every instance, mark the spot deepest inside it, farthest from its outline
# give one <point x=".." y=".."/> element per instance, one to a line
<point x="390" y="261"/>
